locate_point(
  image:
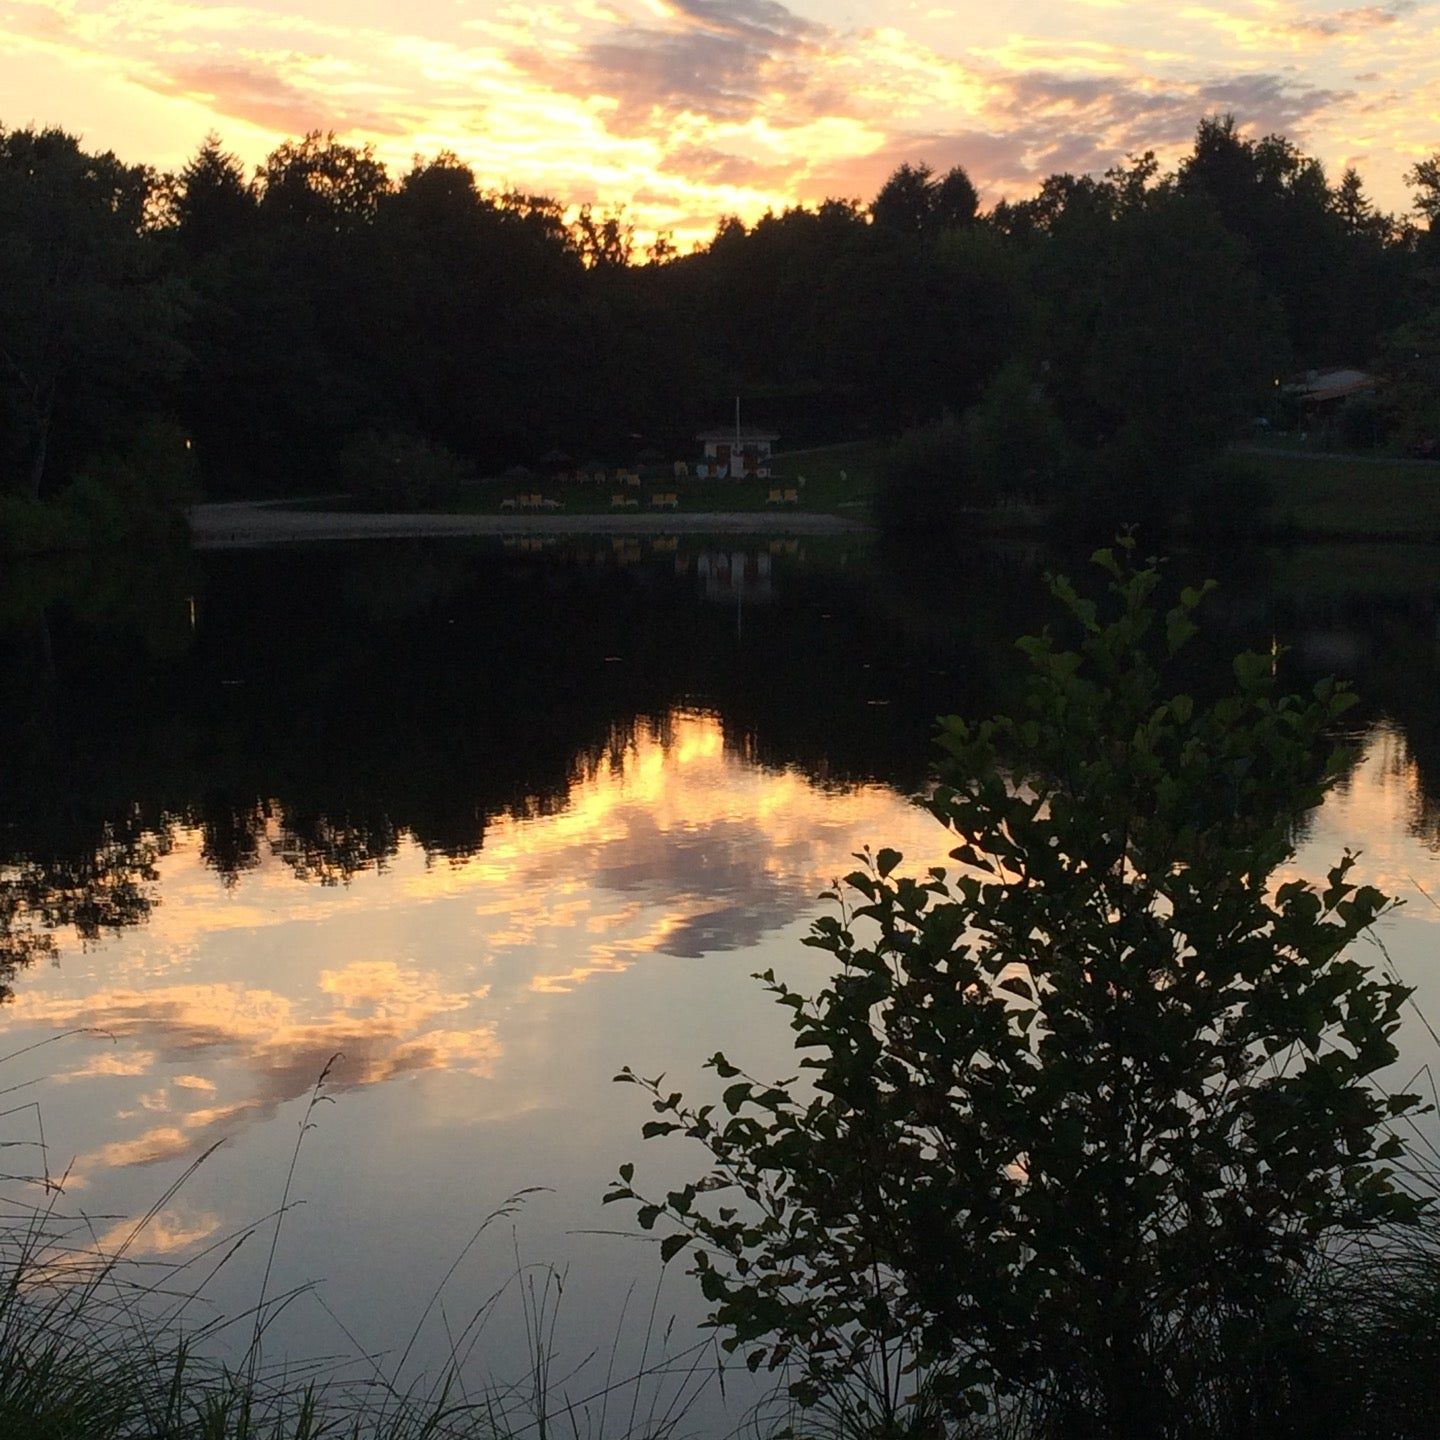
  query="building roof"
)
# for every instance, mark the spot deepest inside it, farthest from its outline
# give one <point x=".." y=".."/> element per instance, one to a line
<point x="1320" y="385"/>
<point x="745" y="434"/>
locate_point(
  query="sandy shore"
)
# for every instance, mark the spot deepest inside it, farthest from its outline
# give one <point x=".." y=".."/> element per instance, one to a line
<point x="243" y="523"/>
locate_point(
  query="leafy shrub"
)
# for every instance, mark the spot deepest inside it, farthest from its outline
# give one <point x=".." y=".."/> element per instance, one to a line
<point x="1121" y="484"/>
<point x="395" y="471"/>
<point x="1289" y="412"/>
<point x="1084" y="1113"/>
<point x="1014" y="436"/>
<point x="28" y="527"/>
<point x="138" y="494"/>
<point x="1412" y="419"/>
<point x="135" y="496"/>
<point x="1359" y="424"/>
<point x="926" y="482"/>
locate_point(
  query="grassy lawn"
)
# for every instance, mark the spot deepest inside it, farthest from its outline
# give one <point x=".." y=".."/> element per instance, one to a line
<point x="1321" y="498"/>
<point x="837" y="477"/>
<point x="1361" y="498"/>
<point x="1385" y="570"/>
<point x="838" y="480"/>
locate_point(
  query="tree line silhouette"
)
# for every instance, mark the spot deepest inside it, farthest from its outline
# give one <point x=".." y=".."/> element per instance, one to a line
<point x="1133" y="318"/>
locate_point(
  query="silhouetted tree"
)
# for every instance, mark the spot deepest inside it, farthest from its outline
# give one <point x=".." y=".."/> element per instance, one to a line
<point x="215" y="206"/>
<point x="89" y="321"/>
<point x="319" y="300"/>
<point x="606" y="240"/>
<point x="317" y="181"/>
<point x="955" y="200"/>
<point x="1277" y="202"/>
<point x="1424" y="178"/>
<point x="914" y="202"/>
<point x="904" y="201"/>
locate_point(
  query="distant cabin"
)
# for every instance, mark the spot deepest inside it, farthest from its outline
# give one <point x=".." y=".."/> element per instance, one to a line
<point x="741" y="452"/>
<point x="1320" y="391"/>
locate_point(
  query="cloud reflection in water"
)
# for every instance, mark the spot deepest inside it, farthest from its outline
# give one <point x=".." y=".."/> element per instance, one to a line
<point x="230" y="1002"/>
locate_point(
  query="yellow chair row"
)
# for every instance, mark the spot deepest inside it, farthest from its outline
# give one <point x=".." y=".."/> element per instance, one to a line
<point x="530" y="502"/>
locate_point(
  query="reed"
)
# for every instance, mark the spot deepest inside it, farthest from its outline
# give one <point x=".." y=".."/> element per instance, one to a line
<point x="98" y="1343"/>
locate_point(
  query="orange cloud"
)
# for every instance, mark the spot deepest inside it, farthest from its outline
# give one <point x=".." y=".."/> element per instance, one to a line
<point x="383" y="1019"/>
<point x="673" y="844"/>
<point x="688" y="109"/>
<point x="167" y="1232"/>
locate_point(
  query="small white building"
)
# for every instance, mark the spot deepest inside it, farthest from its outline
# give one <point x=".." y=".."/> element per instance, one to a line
<point x="1322" y="391"/>
<point x="739" y="451"/>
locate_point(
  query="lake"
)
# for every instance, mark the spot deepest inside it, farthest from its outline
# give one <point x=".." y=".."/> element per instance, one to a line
<point x="475" y="826"/>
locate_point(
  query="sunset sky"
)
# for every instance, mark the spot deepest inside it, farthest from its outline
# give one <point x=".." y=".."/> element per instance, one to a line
<point x="687" y="109"/>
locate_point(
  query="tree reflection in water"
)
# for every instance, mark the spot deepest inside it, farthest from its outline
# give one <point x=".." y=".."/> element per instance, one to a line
<point x="322" y="706"/>
<point x="92" y="882"/>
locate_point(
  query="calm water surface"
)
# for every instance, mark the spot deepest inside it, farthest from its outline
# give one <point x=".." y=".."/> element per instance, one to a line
<point x="489" y="824"/>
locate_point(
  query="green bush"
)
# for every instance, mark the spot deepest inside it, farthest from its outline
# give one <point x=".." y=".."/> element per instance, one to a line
<point x="1412" y="417"/>
<point x="137" y="495"/>
<point x="1359" y="425"/>
<point x="394" y="471"/>
<point x="1083" y="1116"/>
<point x="1015" y="438"/>
<point x="28" y="527"/>
<point x="926" y="482"/>
<point x="1124" y="483"/>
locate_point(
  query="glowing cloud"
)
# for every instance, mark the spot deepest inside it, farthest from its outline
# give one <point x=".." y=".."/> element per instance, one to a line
<point x="688" y="109"/>
<point x="671" y="845"/>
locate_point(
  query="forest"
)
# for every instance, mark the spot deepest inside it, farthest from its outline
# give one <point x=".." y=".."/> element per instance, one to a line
<point x="238" y="333"/>
<point x="1104" y="1133"/>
